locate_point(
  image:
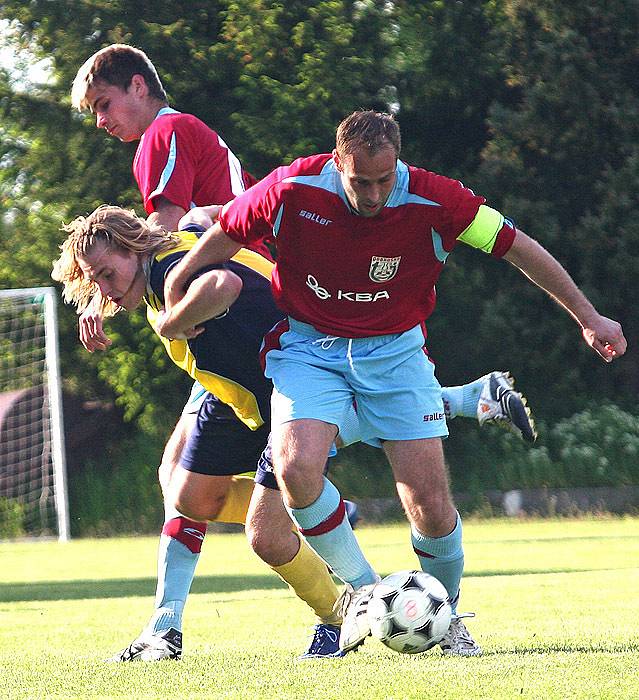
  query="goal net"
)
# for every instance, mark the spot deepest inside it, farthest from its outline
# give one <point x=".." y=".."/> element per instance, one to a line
<point x="33" y="495"/>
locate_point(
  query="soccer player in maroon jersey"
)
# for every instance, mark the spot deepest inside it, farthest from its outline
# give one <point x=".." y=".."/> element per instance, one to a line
<point x="361" y="239"/>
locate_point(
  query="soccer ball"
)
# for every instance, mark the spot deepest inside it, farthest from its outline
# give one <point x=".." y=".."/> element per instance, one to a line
<point x="409" y="611"/>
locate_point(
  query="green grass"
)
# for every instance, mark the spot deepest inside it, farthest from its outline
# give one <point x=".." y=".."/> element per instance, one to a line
<point x="557" y="607"/>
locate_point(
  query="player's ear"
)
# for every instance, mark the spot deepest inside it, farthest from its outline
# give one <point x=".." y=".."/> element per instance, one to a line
<point x="338" y="162"/>
<point x="139" y="86"/>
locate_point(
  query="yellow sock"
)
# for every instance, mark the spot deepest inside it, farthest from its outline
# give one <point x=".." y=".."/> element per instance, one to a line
<point x="237" y="500"/>
<point x="308" y="577"/>
<point x="306" y="574"/>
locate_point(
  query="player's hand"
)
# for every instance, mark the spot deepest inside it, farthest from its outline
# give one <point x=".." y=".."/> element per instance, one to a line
<point x="90" y="330"/>
<point x="606" y="338"/>
<point x="164" y="326"/>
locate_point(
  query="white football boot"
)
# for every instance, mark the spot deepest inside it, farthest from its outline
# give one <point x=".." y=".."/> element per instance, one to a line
<point x="353" y="606"/>
<point x="152" y="647"/>
<point x="457" y="641"/>
<point x="500" y="403"/>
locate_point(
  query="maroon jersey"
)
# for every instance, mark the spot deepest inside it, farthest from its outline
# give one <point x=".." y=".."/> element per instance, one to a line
<point x="349" y="275"/>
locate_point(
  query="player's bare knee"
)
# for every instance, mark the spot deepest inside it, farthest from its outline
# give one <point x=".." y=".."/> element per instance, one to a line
<point x="298" y="474"/>
<point x="197" y="509"/>
<point x="275" y="543"/>
<point x="434" y="518"/>
<point x="262" y="542"/>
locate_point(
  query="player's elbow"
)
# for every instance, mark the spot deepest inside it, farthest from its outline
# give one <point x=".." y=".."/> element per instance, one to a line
<point x="227" y="289"/>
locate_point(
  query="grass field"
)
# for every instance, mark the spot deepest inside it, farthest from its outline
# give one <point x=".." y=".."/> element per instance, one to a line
<point x="557" y="606"/>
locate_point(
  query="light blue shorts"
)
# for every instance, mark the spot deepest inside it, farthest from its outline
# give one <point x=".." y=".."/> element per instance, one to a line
<point x="389" y="378"/>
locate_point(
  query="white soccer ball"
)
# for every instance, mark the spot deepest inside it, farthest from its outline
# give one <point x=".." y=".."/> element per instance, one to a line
<point x="409" y="611"/>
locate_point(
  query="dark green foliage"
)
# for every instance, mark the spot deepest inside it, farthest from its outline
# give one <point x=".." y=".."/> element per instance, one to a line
<point x="534" y="105"/>
<point x="448" y="72"/>
<point x="120" y="494"/>
<point x="561" y="161"/>
<point x="361" y="471"/>
<point x="304" y="66"/>
<point x="597" y="446"/>
<point x="12" y="518"/>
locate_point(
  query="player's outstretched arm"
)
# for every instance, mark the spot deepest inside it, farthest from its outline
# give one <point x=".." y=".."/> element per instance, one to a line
<point x="213" y="247"/>
<point x="209" y="295"/>
<point x="604" y="335"/>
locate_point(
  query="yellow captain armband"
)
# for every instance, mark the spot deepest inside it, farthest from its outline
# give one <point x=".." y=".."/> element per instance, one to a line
<point x="482" y="232"/>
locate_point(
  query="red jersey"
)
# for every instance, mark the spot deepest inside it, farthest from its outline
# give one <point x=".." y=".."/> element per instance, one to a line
<point x="180" y="158"/>
<point x="349" y="275"/>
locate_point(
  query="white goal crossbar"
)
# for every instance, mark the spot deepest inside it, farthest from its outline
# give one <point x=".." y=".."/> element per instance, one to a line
<point x="39" y="343"/>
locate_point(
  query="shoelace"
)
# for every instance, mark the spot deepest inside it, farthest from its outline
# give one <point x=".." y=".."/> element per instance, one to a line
<point x="342" y="602"/>
<point x="322" y="634"/>
<point x="131" y="651"/>
<point x="457" y="630"/>
<point x="460" y="635"/>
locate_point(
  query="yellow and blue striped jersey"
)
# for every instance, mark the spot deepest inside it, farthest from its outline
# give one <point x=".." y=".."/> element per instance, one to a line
<point x="225" y="357"/>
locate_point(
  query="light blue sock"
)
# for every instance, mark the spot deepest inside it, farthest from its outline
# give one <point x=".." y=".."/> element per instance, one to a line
<point x="462" y="400"/>
<point x="442" y="557"/>
<point x="176" y="568"/>
<point x="326" y="528"/>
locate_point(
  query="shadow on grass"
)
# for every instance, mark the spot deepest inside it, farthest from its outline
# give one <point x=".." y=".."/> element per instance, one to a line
<point x="568" y="648"/>
<point x="129" y="587"/>
<point x="542" y="572"/>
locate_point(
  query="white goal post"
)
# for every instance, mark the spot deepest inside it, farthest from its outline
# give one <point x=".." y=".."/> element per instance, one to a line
<point x="33" y="491"/>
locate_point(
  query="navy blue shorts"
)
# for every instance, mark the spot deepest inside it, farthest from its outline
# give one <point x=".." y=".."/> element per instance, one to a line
<point x="265" y="476"/>
<point x="221" y="445"/>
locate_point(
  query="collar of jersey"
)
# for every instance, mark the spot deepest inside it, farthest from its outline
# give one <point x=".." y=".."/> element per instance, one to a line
<point x="166" y="110"/>
<point x="188" y="238"/>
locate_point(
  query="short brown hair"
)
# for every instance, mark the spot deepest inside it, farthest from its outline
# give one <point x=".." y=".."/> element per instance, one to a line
<point x="373" y="130"/>
<point x="115" y="65"/>
<point x="117" y="228"/>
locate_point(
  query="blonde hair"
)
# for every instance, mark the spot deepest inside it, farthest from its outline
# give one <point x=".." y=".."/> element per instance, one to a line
<point x="118" y="229"/>
<point x="115" y="65"/>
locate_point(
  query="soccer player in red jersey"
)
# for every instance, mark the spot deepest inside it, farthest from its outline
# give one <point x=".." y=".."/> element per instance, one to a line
<point x="361" y="240"/>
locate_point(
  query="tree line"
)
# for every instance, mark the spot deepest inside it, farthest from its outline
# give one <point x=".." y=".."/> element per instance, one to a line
<point x="534" y="105"/>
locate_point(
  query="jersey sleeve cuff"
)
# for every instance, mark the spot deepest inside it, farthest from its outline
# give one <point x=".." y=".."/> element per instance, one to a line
<point x="504" y="240"/>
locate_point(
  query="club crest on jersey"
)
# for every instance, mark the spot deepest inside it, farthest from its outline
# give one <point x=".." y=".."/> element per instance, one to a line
<point x="383" y="269"/>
